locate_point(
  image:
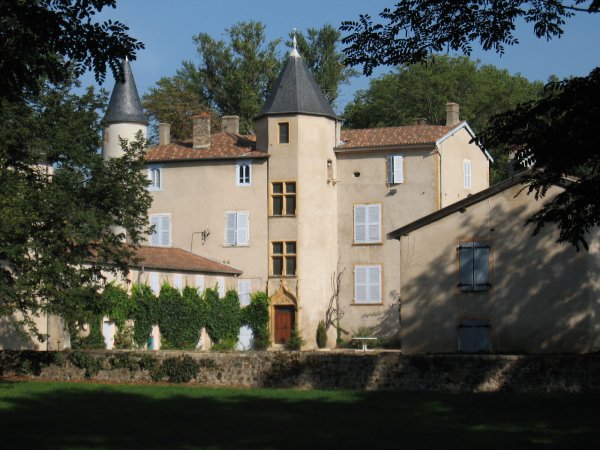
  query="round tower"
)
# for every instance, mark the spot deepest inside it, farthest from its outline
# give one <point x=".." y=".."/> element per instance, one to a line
<point x="124" y="115"/>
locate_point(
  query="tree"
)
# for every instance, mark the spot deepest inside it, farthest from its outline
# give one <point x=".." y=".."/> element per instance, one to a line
<point x="49" y="40"/>
<point x="59" y="200"/>
<point x="319" y="49"/>
<point x="235" y="77"/>
<point x="416" y="28"/>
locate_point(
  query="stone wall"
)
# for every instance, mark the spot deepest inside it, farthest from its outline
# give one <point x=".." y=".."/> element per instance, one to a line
<point x="331" y="370"/>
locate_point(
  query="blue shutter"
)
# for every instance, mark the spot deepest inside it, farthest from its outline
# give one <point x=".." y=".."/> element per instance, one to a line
<point x="481" y="267"/>
<point x="465" y="266"/>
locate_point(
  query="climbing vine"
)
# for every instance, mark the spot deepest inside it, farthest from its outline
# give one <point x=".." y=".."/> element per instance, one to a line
<point x="256" y="316"/>
<point x="223" y="319"/>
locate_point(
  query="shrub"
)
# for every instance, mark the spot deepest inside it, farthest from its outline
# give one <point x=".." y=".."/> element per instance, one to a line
<point x="295" y="342"/>
<point x="177" y="370"/>
<point x="321" y="335"/>
<point x="256" y="316"/>
<point x="223" y="319"/>
<point x="224" y="345"/>
<point x="87" y="361"/>
<point x="117" y="304"/>
<point x="124" y="338"/>
<point x="144" y="313"/>
<point x="94" y="340"/>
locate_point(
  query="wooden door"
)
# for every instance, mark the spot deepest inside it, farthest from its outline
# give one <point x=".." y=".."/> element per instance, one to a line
<point x="285" y="318"/>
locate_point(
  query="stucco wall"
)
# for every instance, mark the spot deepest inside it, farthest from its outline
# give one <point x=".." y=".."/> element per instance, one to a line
<point x="198" y="194"/>
<point x="112" y="133"/>
<point x="544" y="297"/>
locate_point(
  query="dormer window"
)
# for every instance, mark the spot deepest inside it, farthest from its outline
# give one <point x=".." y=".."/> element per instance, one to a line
<point x="284" y="132"/>
<point x="155" y="178"/>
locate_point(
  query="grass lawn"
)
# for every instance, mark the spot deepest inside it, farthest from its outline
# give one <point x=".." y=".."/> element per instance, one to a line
<point x="36" y="415"/>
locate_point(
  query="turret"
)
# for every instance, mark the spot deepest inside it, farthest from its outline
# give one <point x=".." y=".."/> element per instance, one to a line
<point x="124" y="115"/>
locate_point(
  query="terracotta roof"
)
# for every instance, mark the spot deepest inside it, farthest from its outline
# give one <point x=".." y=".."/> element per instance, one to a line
<point x="392" y="136"/>
<point x="172" y="258"/>
<point x="222" y="146"/>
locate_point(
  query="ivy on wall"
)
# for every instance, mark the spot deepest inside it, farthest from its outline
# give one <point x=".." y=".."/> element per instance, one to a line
<point x="223" y="319"/>
<point x="256" y="316"/>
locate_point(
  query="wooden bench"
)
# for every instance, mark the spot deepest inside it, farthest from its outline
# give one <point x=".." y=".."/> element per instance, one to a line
<point x="364" y="341"/>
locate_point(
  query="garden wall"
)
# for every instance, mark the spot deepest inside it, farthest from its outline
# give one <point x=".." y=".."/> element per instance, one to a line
<point x="322" y="370"/>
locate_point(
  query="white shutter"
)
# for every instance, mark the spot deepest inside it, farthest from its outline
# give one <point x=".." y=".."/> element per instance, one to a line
<point x="178" y="281"/>
<point x="360" y="284"/>
<point x="154" y="284"/>
<point x="230" y="228"/>
<point x="398" y="163"/>
<point x="467" y="173"/>
<point x="154" y="238"/>
<point x="244" y="292"/>
<point x="360" y="223"/>
<point x="242" y="229"/>
<point x="165" y="232"/>
<point x="374" y="284"/>
<point x="374" y="223"/>
<point x="200" y="283"/>
<point x="221" y="286"/>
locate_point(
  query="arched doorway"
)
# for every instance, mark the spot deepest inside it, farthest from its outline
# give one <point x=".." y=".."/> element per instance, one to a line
<point x="283" y="315"/>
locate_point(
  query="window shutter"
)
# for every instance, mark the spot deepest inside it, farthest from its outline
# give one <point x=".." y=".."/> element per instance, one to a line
<point x="230" y="220"/>
<point x="374" y="223"/>
<point x="165" y="234"/>
<point x="154" y="238"/>
<point x="360" y="284"/>
<point x="374" y="283"/>
<point x="398" y="169"/>
<point x="154" y="284"/>
<point x="242" y="229"/>
<point x="200" y="283"/>
<point x="467" y="173"/>
<point x="221" y="286"/>
<point x="360" y="223"/>
<point x="481" y="267"/>
<point x="178" y="281"/>
<point x="244" y="292"/>
<point x="466" y="266"/>
<point x="390" y="169"/>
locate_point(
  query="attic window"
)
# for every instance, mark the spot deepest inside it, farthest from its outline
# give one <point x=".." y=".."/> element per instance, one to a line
<point x="284" y="132"/>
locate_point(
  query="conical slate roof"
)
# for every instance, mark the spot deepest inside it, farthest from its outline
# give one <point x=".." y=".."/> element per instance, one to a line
<point x="296" y="92"/>
<point x="124" y="104"/>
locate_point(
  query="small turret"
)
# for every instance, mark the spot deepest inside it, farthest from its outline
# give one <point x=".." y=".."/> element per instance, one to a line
<point x="124" y="115"/>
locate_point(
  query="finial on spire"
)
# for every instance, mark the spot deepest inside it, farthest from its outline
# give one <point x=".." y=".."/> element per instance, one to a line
<point x="294" y="51"/>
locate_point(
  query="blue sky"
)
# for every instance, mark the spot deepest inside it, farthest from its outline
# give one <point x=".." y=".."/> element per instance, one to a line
<point x="167" y="27"/>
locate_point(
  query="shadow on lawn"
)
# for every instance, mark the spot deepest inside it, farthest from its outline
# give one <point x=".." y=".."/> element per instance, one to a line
<point x="88" y="416"/>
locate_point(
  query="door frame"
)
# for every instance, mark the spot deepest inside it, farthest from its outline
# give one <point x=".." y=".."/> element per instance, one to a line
<point x="283" y="297"/>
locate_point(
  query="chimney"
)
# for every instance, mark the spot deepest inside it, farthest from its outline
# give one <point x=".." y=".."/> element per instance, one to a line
<point x="201" y="133"/>
<point x="420" y="121"/>
<point x="164" y="134"/>
<point x="230" y="124"/>
<point x="452" y="114"/>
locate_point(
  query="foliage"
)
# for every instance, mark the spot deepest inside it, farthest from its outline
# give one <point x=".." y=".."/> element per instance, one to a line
<point x="256" y="316"/>
<point x="177" y="370"/>
<point x="118" y="304"/>
<point x="321" y="335"/>
<point x="224" y="345"/>
<point x="123" y="339"/>
<point x="87" y="361"/>
<point x="235" y="77"/>
<point x="95" y="339"/>
<point x="49" y="39"/>
<point x="318" y="49"/>
<point x="174" y="99"/>
<point x="538" y="131"/>
<point x="145" y="313"/>
<point x="414" y="29"/>
<point x="180" y="317"/>
<point x="295" y="342"/>
<point x="223" y="315"/>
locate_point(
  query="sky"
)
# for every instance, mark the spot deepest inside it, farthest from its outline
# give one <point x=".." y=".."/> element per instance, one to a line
<point x="166" y="28"/>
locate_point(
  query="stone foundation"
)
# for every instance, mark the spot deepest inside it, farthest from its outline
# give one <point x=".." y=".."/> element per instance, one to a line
<point x="337" y="370"/>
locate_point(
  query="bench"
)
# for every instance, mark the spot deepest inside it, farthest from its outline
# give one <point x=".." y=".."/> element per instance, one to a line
<point x="364" y="341"/>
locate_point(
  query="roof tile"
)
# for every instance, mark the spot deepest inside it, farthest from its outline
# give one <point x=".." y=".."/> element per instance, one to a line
<point x="172" y="258"/>
<point x="391" y="136"/>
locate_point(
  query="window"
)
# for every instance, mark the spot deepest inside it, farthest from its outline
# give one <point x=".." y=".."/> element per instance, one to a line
<point x="395" y="166"/>
<point x="244" y="292"/>
<point x="283" y="259"/>
<point x="467" y="174"/>
<point x="237" y="230"/>
<point x="284" y="132"/>
<point x="200" y="283"/>
<point x="243" y="171"/>
<point x="155" y="178"/>
<point x="283" y="199"/>
<point x="161" y="236"/>
<point x="221" y="286"/>
<point x="474" y="336"/>
<point x="474" y="266"/>
<point x="367" y="224"/>
<point x="367" y="284"/>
